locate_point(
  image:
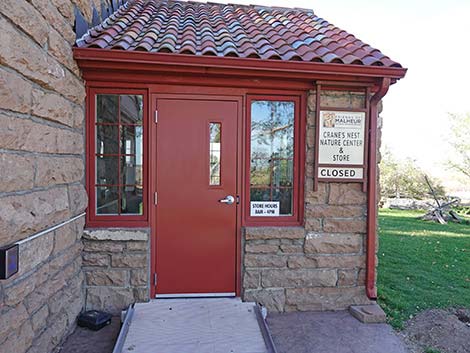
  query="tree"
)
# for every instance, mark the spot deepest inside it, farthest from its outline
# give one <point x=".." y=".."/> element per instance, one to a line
<point x="460" y="142"/>
<point x="404" y="179"/>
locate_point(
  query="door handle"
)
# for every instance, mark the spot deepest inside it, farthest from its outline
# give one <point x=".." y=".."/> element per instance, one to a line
<point x="228" y="200"/>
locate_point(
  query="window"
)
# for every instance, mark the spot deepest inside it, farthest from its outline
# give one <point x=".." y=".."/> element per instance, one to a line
<point x="215" y="133"/>
<point x="116" y="180"/>
<point x="273" y="160"/>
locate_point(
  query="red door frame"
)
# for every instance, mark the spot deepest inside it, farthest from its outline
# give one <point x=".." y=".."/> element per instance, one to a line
<point x="153" y="91"/>
<point x="296" y="219"/>
<point x="153" y="97"/>
<point x="92" y="219"/>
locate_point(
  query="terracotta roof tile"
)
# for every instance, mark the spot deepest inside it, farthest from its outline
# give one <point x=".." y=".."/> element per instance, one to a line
<point x="172" y="26"/>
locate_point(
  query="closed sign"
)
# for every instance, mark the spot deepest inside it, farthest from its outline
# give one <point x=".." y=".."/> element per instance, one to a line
<point x="340" y="173"/>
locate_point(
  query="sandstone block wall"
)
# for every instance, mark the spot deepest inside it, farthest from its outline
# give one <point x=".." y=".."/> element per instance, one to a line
<point x="320" y="265"/>
<point x="116" y="265"/>
<point x="42" y="170"/>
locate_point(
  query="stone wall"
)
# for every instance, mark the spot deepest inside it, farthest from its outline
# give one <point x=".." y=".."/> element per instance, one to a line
<point x="116" y="263"/>
<point x="40" y="304"/>
<point x="321" y="265"/>
<point x="42" y="170"/>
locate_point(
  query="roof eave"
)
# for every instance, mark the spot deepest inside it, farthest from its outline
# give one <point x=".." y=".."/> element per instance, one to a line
<point x="108" y="59"/>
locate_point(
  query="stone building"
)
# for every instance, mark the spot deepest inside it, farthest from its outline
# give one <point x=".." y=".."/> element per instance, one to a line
<point x="164" y="148"/>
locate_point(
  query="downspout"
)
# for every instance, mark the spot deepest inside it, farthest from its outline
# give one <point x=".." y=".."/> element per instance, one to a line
<point x="371" y="289"/>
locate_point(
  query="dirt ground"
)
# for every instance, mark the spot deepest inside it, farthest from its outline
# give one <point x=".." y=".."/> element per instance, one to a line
<point x="447" y="331"/>
<point x="83" y="340"/>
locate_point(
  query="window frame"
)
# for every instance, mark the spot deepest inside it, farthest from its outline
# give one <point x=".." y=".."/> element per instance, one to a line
<point x="92" y="218"/>
<point x="296" y="219"/>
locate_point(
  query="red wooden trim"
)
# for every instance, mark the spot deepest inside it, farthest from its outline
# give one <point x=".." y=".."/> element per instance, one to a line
<point x="131" y="78"/>
<point x="317" y="136"/>
<point x="152" y="152"/>
<point x="89" y="58"/>
<point x="341" y="84"/>
<point x="371" y="289"/>
<point x="88" y="140"/>
<point x="336" y="109"/>
<point x="119" y="220"/>
<point x="299" y="160"/>
<point x="240" y="149"/>
<point x="366" y="139"/>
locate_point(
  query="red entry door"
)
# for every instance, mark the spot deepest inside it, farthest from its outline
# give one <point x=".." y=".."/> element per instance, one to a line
<point x="196" y="169"/>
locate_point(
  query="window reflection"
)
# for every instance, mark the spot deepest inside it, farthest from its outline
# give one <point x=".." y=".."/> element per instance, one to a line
<point x="214" y="153"/>
<point x="272" y="153"/>
<point x="119" y="144"/>
<point x="107" y="200"/>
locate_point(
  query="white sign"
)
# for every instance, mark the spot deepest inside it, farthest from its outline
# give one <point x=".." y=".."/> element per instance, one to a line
<point x="341" y="138"/>
<point x="264" y="208"/>
<point x="340" y="173"/>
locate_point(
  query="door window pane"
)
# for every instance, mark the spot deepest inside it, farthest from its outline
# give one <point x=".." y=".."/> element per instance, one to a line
<point x="106" y="170"/>
<point x="107" y="139"/>
<point x="131" y="107"/>
<point x="119" y="154"/>
<point x="272" y="153"/>
<point x="131" y="199"/>
<point x="107" y="200"/>
<point x="130" y="171"/>
<point x="131" y="139"/>
<point x="215" y="141"/>
<point x="106" y="108"/>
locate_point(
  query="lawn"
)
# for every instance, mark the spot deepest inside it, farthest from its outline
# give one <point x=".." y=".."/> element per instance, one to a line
<point x="421" y="265"/>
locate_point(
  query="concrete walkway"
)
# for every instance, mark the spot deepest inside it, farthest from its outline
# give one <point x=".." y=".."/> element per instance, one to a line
<point x="331" y="332"/>
<point x="218" y="325"/>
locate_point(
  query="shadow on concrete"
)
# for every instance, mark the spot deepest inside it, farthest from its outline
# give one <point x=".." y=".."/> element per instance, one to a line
<point x="83" y="340"/>
<point x="331" y="332"/>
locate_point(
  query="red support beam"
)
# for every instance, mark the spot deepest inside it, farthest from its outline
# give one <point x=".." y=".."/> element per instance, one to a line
<point x="371" y="288"/>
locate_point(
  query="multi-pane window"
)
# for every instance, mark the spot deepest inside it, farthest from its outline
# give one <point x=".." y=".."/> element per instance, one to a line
<point x="272" y="158"/>
<point x="118" y="154"/>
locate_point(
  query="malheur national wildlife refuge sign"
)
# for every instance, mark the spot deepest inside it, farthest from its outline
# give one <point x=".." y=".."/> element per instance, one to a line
<point x="341" y="145"/>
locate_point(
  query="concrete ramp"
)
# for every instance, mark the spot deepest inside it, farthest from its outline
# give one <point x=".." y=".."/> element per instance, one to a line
<point x="212" y="325"/>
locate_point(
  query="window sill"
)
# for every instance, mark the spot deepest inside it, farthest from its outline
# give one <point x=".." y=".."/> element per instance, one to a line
<point x="117" y="234"/>
<point x="116" y="223"/>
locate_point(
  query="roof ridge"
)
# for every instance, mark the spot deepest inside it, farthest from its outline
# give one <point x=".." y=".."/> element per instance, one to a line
<point x="252" y="6"/>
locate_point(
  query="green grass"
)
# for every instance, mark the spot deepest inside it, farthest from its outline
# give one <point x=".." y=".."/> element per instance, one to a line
<point x="431" y="350"/>
<point x="421" y="265"/>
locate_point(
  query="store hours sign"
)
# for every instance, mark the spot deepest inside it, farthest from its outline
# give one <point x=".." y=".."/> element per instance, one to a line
<point x="341" y="145"/>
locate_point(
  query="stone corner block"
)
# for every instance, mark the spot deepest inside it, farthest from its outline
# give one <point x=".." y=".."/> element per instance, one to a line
<point x="116" y="234"/>
<point x="110" y="299"/>
<point x="368" y="314"/>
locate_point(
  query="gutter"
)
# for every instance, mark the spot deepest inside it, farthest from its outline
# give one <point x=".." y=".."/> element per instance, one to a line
<point x="99" y="59"/>
<point x="371" y="288"/>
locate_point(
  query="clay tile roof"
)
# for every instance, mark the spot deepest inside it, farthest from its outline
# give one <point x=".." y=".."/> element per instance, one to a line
<point x="191" y="28"/>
